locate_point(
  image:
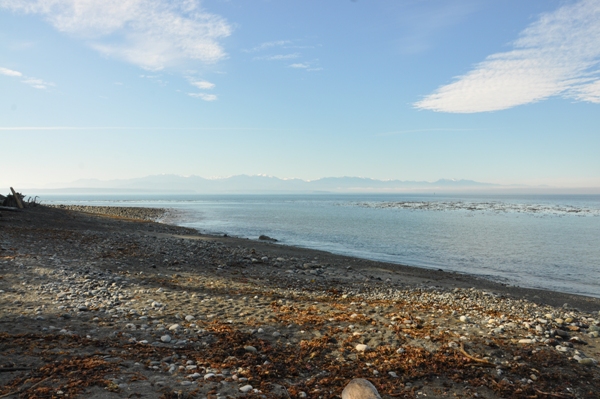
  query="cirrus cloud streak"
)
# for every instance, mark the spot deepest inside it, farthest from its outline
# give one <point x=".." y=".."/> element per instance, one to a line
<point x="31" y="81"/>
<point x="558" y="55"/>
<point x="152" y="34"/>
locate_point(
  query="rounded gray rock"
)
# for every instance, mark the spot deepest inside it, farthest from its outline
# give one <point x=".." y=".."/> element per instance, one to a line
<point x="165" y="338"/>
<point x="359" y="388"/>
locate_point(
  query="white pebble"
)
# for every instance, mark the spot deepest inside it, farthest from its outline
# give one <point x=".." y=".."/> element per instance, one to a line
<point x="246" y="388"/>
<point x="362" y="347"/>
<point x="526" y="341"/>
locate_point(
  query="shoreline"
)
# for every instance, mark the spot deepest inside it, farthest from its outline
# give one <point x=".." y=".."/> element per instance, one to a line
<point x="420" y="273"/>
<point x="208" y="314"/>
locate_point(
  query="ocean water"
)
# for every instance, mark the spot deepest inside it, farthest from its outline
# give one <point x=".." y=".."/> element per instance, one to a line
<point x="550" y="242"/>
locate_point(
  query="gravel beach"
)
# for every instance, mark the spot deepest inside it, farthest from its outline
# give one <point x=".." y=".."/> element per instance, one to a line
<point x="105" y="302"/>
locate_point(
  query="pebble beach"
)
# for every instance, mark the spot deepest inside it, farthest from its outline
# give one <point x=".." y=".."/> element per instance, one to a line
<point x="106" y="302"/>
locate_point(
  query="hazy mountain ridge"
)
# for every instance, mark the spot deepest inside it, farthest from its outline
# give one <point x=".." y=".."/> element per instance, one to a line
<point x="266" y="184"/>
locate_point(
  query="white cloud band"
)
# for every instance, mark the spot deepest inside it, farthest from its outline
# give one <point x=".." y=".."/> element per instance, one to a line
<point x="204" y="96"/>
<point x="153" y="34"/>
<point x="557" y="55"/>
<point x="10" y="72"/>
<point x="202" y="84"/>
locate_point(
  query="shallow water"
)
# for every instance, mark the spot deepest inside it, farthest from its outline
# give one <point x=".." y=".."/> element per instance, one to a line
<point x="550" y="242"/>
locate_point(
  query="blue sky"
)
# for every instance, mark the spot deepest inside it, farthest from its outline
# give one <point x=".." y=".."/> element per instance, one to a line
<point x="498" y="91"/>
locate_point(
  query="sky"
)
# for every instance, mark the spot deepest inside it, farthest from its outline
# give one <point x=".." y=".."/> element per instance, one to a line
<point x="498" y="91"/>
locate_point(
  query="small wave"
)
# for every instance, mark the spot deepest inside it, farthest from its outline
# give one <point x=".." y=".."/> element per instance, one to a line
<point x="493" y="207"/>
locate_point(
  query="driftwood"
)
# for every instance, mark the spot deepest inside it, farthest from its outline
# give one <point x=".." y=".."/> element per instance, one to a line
<point x="475" y="359"/>
<point x="17" y="198"/>
<point x="9" y="208"/>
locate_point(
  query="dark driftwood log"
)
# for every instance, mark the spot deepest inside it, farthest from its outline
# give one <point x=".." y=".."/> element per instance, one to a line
<point x="9" y="208"/>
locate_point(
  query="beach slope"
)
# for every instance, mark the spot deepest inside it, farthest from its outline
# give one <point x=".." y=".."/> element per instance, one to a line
<point x="107" y="303"/>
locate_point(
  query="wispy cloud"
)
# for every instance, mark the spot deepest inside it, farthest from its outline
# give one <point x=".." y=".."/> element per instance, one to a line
<point x="266" y="45"/>
<point x="278" y="57"/>
<point x="33" y="82"/>
<point x="558" y="55"/>
<point x="279" y="46"/>
<point x="299" y="65"/>
<point x="589" y="92"/>
<point x="203" y="96"/>
<point x="202" y="84"/>
<point x="306" y="66"/>
<point x="152" y="34"/>
<point x="37" y="83"/>
<point x="10" y="72"/>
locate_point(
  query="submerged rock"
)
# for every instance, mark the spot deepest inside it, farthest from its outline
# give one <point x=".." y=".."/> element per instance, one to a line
<point x="266" y="238"/>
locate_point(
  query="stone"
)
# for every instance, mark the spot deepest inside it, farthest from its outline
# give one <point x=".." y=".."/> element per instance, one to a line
<point x="250" y="349"/>
<point x="577" y="340"/>
<point x="174" y="327"/>
<point x="361" y="348"/>
<point x="359" y="388"/>
<point x="561" y="333"/>
<point x="587" y="361"/>
<point x="464" y="319"/>
<point x="166" y="338"/>
<point x="246" y="388"/>
<point x="526" y="341"/>
<point x="189" y="318"/>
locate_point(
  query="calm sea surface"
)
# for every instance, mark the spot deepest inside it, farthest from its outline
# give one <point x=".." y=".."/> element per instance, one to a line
<point x="550" y="242"/>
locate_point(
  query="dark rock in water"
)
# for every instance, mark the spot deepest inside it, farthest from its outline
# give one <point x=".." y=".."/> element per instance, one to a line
<point x="359" y="388"/>
<point x="267" y="238"/>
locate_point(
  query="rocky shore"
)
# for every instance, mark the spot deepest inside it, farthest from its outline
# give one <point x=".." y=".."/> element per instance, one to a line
<point x="130" y="212"/>
<point x="103" y="302"/>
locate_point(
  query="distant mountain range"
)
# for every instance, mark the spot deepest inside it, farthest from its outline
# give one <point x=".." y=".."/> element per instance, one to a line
<point x="267" y="184"/>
